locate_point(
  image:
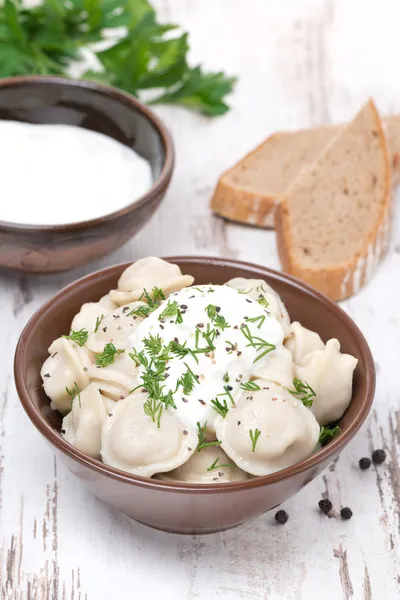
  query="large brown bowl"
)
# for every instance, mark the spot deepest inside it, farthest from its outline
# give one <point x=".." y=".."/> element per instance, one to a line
<point x="48" y="249"/>
<point x="188" y="508"/>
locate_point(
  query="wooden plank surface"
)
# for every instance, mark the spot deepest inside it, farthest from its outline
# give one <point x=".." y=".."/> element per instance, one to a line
<point x="299" y="64"/>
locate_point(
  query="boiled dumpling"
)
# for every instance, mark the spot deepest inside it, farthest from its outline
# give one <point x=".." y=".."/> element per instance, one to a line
<point x="64" y="370"/>
<point x="82" y="426"/>
<point x="258" y="289"/>
<point x="268" y="430"/>
<point x="330" y="374"/>
<point x="107" y="303"/>
<point x="302" y="341"/>
<point x="145" y="274"/>
<point x="117" y="379"/>
<point x="132" y="442"/>
<point x="277" y="368"/>
<point x="210" y="465"/>
<point x="116" y="328"/>
<point x="89" y="317"/>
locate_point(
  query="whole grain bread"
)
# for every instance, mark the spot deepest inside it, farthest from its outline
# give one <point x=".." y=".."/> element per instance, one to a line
<point x="249" y="192"/>
<point x="333" y="222"/>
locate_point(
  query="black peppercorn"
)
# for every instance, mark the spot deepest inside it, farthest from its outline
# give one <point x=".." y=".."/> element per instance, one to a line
<point x="325" y="505"/>
<point x="281" y="517"/>
<point x="364" y="463"/>
<point x="378" y="456"/>
<point x="346" y="513"/>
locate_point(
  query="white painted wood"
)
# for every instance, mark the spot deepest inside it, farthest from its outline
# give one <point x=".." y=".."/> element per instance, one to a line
<point x="299" y="64"/>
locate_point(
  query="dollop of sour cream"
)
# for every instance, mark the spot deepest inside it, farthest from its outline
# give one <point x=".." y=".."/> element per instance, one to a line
<point x="217" y="334"/>
<point x="58" y="174"/>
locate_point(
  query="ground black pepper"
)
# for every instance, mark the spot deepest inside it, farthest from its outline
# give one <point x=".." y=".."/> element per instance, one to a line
<point x="378" y="456"/>
<point x="346" y="513"/>
<point x="325" y="505"/>
<point x="364" y="463"/>
<point x="281" y="517"/>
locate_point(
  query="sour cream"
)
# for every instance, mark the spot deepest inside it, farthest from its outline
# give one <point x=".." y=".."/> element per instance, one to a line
<point x="59" y="174"/>
<point x="239" y="347"/>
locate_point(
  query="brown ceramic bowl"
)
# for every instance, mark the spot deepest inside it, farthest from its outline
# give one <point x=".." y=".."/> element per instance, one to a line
<point x="48" y="249"/>
<point x="188" y="508"/>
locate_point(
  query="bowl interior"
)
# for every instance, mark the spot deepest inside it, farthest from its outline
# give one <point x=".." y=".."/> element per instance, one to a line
<point x="87" y="105"/>
<point x="304" y="304"/>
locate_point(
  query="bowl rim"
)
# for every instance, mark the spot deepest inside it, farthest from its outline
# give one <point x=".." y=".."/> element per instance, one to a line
<point x="264" y="480"/>
<point x="123" y="97"/>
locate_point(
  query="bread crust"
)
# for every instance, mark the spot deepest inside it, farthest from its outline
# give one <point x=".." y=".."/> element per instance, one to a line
<point x="242" y="205"/>
<point x="341" y="281"/>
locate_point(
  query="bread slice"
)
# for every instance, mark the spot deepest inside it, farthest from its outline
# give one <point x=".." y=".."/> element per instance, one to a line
<point x="333" y="222"/>
<point x="249" y="192"/>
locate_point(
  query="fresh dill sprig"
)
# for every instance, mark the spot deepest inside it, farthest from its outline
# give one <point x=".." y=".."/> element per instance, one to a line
<point x="107" y="357"/>
<point x="258" y="343"/>
<point x="211" y="311"/>
<point x="187" y="381"/>
<point x="216" y="465"/>
<point x="168" y="400"/>
<point x="242" y="291"/>
<point x="153" y="344"/>
<point x="328" y="433"/>
<point x="181" y="351"/>
<point x="217" y="319"/>
<point x="142" y="311"/>
<point x="209" y="335"/>
<point x="228" y="393"/>
<point x="259" y="319"/>
<point x="98" y="321"/>
<point x="226" y="377"/>
<point x="254" y="435"/>
<point x="263" y="301"/>
<point x="201" y="434"/>
<point x="153" y="409"/>
<point x="250" y="386"/>
<point x="222" y="409"/>
<point x="79" y="337"/>
<point x="170" y="310"/>
<point x="74" y="392"/>
<point x="303" y="391"/>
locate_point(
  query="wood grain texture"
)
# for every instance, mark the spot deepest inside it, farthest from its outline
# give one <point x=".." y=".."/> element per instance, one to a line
<point x="299" y="64"/>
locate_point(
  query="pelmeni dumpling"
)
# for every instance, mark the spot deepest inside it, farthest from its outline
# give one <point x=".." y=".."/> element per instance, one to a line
<point x="268" y="430"/>
<point x="117" y="379"/>
<point x="132" y="442"/>
<point x="330" y="374"/>
<point x="277" y="368"/>
<point x="82" y="426"/>
<point x="107" y="303"/>
<point x="302" y="341"/>
<point x="148" y="273"/>
<point x="258" y="289"/>
<point x="116" y="328"/>
<point x="210" y="465"/>
<point x="64" y="370"/>
<point x="88" y="317"/>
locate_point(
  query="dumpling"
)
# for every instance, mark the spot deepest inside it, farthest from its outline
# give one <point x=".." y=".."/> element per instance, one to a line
<point x="64" y="370"/>
<point x="117" y="379"/>
<point x="132" y="442"/>
<point x="116" y="328"/>
<point x="107" y="303"/>
<point x="330" y="374"/>
<point x="268" y="430"/>
<point x="145" y="274"/>
<point x="302" y="341"/>
<point x="277" y="368"/>
<point x="89" y="317"/>
<point x="210" y="465"/>
<point x="82" y="426"/>
<point x="258" y="289"/>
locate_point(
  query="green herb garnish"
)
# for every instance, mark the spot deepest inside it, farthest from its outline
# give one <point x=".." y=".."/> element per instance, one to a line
<point x="79" y="337"/>
<point x="226" y="377"/>
<point x="217" y="319"/>
<point x="302" y="391"/>
<point x="98" y="321"/>
<point x="201" y="433"/>
<point x="216" y="465"/>
<point x="153" y="344"/>
<point x="250" y="386"/>
<point x="260" y="320"/>
<point x="73" y="393"/>
<point x="153" y="409"/>
<point x="107" y="357"/>
<point x="254" y="435"/>
<point x="171" y="310"/>
<point x="258" y="343"/>
<point x="263" y="301"/>
<point x="222" y="409"/>
<point x="187" y="381"/>
<point x="328" y="433"/>
<point x="228" y="393"/>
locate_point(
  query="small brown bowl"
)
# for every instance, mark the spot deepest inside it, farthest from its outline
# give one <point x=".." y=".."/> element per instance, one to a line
<point x="189" y="508"/>
<point x="52" y="248"/>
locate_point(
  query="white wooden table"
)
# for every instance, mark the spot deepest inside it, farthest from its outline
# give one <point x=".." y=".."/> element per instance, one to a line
<point x="299" y="64"/>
